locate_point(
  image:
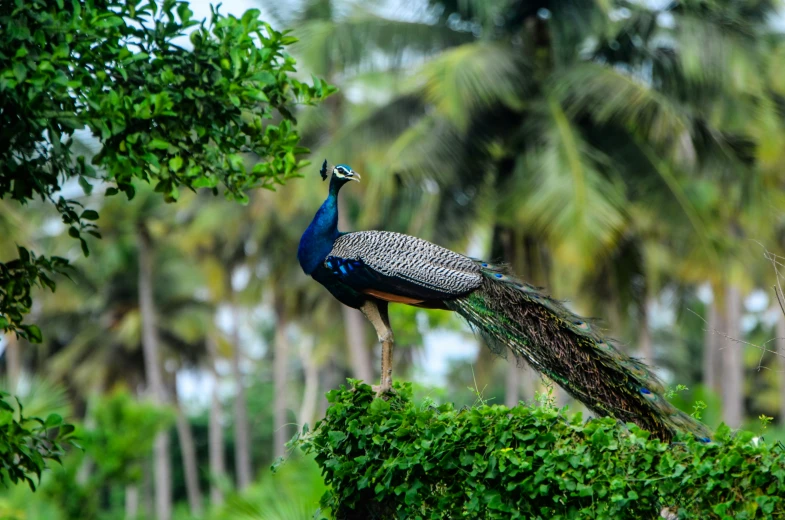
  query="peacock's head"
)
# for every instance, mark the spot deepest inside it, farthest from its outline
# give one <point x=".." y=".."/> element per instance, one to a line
<point x="342" y="173"/>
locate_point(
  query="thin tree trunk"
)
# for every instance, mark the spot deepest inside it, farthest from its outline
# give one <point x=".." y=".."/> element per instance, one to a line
<point x="781" y="350"/>
<point x="331" y="375"/>
<point x="645" y="346"/>
<point x="215" y="433"/>
<point x="311" y="390"/>
<point x="280" y="398"/>
<point x="529" y="379"/>
<point x="359" y="354"/>
<point x="711" y="347"/>
<point x="147" y="489"/>
<point x="484" y="368"/>
<point x="733" y="362"/>
<point x="13" y="364"/>
<point x="242" y="430"/>
<point x="131" y="502"/>
<point x="162" y="469"/>
<point x="188" y="451"/>
<point x="513" y="386"/>
<point x="355" y="325"/>
<point x="87" y="466"/>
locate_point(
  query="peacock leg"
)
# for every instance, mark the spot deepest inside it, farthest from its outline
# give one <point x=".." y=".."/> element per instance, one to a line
<point x="376" y="312"/>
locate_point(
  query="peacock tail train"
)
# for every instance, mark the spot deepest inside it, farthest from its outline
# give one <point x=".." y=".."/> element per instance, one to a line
<point x="513" y="315"/>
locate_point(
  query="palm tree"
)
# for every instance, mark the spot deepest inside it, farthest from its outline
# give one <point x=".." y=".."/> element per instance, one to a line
<point x="150" y="341"/>
<point x="216" y="236"/>
<point x="109" y="328"/>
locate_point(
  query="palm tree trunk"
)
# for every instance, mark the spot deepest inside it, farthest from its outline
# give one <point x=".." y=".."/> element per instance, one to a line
<point x="711" y="347"/>
<point x="162" y="469"/>
<point x="733" y="361"/>
<point x="331" y="377"/>
<point x="131" y="502"/>
<point x="483" y="367"/>
<point x="781" y="350"/>
<point x="513" y="384"/>
<point x="281" y="356"/>
<point x="242" y="430"/>
<point x="645" y="346"/>
<point x="311" y="390"/>
<point x="355" y="325"/>
<point x="188" y="450"/>
<point x="13" y="364"/>
<point x="147" y="489"/>
<point x="215" y="432"/>
<point x="359" y="355"/>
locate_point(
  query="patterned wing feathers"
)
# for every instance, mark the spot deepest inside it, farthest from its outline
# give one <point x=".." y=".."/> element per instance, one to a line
<point x="410" y="259"/>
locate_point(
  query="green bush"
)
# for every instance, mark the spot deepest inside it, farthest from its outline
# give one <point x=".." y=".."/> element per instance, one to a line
<point x="395" y="459"/>
<point x="116" y="446"/>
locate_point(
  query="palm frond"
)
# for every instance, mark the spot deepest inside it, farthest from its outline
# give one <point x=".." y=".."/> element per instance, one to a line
<point x="377" y="127"/>
<point x="470" y="78"/>
<point x="568" y="199"/>
<point x="610" y="95"/>
<point x="366" y="41"/>
<point x="710" y="53"/>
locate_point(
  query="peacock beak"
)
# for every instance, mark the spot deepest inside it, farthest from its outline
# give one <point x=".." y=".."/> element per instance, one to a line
<point x="354" y="176"/>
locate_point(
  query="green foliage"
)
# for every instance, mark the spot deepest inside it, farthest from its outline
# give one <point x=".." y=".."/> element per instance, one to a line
<point x="117" y="446"/>
<point x="123" y="436"/>
<point x="395" y="459"/>
<point x="163" y="114"/>
<point x="27" y="443"/>
<point x="291" y="493"/>
<point x="17" y="279"/>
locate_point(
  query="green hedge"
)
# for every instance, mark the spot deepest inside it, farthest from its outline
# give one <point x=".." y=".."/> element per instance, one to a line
<point x="396" y="459"/>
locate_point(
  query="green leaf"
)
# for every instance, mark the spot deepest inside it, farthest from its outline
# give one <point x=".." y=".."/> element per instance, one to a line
<point x="159" y="144"/>
<point x="20" y="71"/>
<point x="89" y="214"/>
<point x="336" y="437"/>
<point x="33" y="333"/>
<point x="86" y="186"/>
<point x="53" y="420"/>
<point x="175" y="163"/>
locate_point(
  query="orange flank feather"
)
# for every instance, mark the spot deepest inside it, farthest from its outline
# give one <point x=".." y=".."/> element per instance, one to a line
<point x="389" y="297"/>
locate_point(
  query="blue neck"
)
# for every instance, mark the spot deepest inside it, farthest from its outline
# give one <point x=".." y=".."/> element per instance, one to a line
<point x="317" y="241"/>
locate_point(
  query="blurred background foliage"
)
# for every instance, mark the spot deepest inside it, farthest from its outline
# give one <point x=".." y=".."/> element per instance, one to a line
<point x="627" y="155"/>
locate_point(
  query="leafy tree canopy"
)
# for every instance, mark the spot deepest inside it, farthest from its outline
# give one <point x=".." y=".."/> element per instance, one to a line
<point x="164" y="111"/>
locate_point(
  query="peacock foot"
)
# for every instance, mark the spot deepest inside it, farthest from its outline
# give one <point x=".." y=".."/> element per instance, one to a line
<point x="383" y="390"/>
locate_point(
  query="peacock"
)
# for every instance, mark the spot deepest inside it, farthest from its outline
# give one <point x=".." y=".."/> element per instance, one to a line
<point x="367" y="270"/>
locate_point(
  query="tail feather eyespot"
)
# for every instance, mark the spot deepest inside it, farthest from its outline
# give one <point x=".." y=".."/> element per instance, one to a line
<point x="581" y="324"/>
<point x="648" y="394"/>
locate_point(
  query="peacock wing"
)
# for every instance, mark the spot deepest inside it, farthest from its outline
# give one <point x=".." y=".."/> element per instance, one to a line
<point x="400" y="267"/>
